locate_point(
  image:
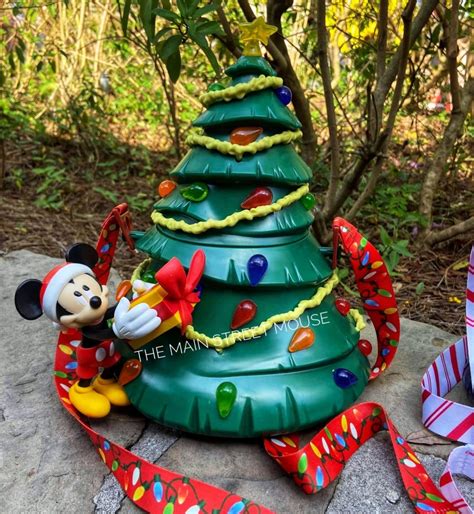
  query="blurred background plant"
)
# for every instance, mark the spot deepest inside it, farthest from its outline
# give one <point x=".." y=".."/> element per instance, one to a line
<point x="98" y="95"/>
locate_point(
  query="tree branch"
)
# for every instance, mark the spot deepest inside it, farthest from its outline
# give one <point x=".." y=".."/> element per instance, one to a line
<point x="275" y="10"/>
<point x="463" y="227"/>
<point x="322" y="47"/>
<point x="382" y="38"/>
<point x="379" y="147"/>
<point x="452" y="55"/>
<point x="229" y="40"/>
<point x="385" y="82"/>
<point x="442" y="153"/>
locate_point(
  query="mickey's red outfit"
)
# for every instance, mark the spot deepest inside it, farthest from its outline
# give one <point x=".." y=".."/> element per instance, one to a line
<point x="89" y="360"/>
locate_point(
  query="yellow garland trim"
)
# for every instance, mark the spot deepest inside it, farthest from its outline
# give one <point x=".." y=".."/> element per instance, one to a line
<point x="240" y="90"/>
<point x="225" y="147"/>
<point x="232" y="219"/>
<point x="139" y="270"/>
<point x="358" y="319"/>
<point x="220" y="343"/>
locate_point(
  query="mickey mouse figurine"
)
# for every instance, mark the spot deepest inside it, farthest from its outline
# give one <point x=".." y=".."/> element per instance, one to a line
<point x="71" y="297"/>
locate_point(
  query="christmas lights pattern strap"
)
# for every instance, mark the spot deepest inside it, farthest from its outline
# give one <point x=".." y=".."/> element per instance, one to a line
<point x="314" y="466"/>
<point x="375" y="288"/>
<point x="118" y="221"/>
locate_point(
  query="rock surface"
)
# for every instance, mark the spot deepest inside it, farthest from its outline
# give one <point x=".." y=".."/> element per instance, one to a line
<point x="47" y="463"/>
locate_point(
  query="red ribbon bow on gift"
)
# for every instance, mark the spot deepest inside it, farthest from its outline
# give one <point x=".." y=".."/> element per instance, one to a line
<point x="180" y="286"/>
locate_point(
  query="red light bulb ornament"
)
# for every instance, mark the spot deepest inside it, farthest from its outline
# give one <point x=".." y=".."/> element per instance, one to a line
<point x="244" y="312"/>
<point x="259" y="196"/>
<point x="343" y="306"/>
<point x="245" y="135"/>
<point x="183" y="491"/>
<point x="365" y="347"/>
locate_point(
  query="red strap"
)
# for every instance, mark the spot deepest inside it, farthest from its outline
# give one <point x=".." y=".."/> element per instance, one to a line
<point x="118" y="220"/>
<point x="318" y="463"/>
<point x="375" y="288"/>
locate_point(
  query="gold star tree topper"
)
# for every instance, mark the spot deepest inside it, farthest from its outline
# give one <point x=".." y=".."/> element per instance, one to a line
<point x="254" y="33"/>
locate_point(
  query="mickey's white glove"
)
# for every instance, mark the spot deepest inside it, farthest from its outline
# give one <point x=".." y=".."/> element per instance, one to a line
<point x="139" y="287"/>
<point x="135" y="323"/>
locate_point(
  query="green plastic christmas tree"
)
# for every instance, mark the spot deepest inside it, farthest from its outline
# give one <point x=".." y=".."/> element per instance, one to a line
<point x="242" y="197"/>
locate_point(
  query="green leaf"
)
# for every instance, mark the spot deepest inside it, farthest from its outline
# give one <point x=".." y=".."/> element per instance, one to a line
<point x="125" y="16"/>
<point x="173" y="65"/>
<point x="420" y="288"/>
<point x="148" y="18"/>
<point x="209" y="27"/>
<point x="386" y="241"/>
<point x="167" y="15"/>
<point x="205" y="10"/>
<point x="204" y="46"/>
<point x="182" y="8"/>
<point x="170" y="46"/>
<point x="161" y="33"/>
<point x="192" y="7"/>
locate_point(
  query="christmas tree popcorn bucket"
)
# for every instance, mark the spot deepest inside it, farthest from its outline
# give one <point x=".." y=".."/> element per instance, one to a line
<point x="270" y="349"/>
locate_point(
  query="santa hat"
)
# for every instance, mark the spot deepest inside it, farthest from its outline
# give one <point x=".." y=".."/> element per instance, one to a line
<point x="55" y="281"/>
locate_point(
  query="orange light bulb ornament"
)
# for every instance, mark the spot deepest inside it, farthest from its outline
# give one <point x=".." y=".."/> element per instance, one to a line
<point x="166" y="187"/>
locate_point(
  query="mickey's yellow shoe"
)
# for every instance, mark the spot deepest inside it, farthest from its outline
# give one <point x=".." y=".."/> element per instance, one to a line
<point x="113" y="391"/>
<point x="89" y="402"/>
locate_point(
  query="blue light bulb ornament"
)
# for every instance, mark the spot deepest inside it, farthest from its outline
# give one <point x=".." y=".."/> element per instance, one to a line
<point x="284" y="94"/>
<point x="344" y="378"/>
<point x="237" y="508"/>
<point x="257" y="265"/>
<point x="158" y="489"/>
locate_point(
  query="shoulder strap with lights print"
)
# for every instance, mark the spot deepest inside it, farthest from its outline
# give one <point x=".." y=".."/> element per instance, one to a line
<point x="158" y="490"/>
<point x="375" y="288"/>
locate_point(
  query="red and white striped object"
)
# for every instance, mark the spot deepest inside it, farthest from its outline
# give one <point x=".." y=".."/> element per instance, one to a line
<point x="445" y="417"/>
<point x="470" y="315"/>
<point x="460" y="462"/>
